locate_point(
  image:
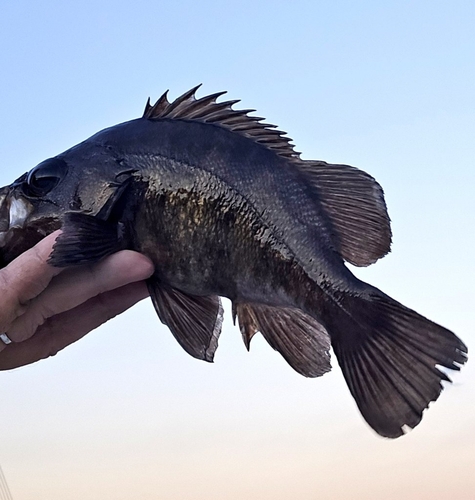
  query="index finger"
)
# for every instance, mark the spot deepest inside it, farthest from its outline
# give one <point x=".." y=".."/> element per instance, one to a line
<point x="25" y="278"/>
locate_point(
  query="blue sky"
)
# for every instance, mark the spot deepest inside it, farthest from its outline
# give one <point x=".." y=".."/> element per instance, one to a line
<point x="125" y="413"/>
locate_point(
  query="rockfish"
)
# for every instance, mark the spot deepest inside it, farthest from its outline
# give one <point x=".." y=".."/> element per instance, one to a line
<point x="224" y="206"/>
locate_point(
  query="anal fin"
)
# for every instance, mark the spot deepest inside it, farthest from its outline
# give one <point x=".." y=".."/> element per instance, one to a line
<point x="194" y="321"/>
<point x="300" y="339"/>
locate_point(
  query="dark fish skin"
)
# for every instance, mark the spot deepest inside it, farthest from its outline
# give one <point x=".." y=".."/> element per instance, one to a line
<point x="239" y="219"/>
<point x="224" y="206"/>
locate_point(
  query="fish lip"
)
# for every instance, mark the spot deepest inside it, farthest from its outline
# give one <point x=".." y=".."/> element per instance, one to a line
<point x="3" y="238"/>
<point x="4" y="221"/>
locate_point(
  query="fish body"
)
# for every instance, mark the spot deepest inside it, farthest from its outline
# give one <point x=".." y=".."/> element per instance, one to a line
<point x="232" y="207"/>
<point x="224" y="206"/>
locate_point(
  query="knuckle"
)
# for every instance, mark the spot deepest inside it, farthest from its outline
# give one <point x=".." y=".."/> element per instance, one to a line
<point x="52" y="346"/>
<point x="11" y="306"/>
<point x="106" y="307"/>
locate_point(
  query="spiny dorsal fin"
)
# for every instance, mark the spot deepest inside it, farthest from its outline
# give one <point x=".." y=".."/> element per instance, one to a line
<point x="207" y="110"/>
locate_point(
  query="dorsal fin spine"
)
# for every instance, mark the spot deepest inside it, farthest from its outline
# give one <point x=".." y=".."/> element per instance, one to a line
<point x="207" y="110"/>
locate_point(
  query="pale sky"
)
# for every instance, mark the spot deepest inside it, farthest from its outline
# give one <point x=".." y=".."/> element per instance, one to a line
<point x="126" y="413"/>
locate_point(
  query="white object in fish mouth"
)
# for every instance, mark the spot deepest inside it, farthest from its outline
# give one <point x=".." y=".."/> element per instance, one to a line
<point x="19" y="211"/>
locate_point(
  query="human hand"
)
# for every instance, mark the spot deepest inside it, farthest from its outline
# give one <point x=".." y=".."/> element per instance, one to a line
<point x="43" y="309"/>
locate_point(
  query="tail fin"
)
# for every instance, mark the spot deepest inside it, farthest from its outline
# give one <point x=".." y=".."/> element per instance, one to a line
<point x="389" y="356"/>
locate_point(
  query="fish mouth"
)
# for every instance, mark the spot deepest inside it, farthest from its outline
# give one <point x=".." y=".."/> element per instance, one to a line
<point x="14" y="212"/>
<point x="21" y="227"/>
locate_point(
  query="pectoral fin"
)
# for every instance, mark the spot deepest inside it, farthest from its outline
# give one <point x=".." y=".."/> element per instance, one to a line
<point x="301" y="340"/>
<point x="85" y="238"/>
<point x="194" y="321"/>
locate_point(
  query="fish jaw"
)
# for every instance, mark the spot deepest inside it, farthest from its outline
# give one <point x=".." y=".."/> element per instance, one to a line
<point x="17" y="234"/>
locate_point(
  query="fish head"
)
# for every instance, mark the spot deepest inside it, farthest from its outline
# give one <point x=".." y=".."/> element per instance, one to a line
<point x="88" y="178"/>
<point x="24" y="218"/>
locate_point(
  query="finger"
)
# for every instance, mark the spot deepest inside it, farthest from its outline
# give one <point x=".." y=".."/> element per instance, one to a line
<point x="68" y="327"/>
<point x="78" y="285"/>
<point x="24" y="278"/>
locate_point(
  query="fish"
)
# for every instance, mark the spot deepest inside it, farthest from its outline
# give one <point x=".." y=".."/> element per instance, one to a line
<point x="224" y="206"/>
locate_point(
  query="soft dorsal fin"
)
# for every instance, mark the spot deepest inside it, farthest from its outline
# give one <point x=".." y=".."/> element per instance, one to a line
<point x="207" y="110"/>
<point x="355" y="204"/>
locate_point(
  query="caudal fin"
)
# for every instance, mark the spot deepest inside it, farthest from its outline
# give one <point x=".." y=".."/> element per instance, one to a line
<point x="389" y="356"/>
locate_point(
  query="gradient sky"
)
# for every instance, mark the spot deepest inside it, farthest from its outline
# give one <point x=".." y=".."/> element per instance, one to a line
<point x="126" y="413"/>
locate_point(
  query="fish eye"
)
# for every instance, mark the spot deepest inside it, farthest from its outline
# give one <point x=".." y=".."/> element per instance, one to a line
<point x="44" y="177"/>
